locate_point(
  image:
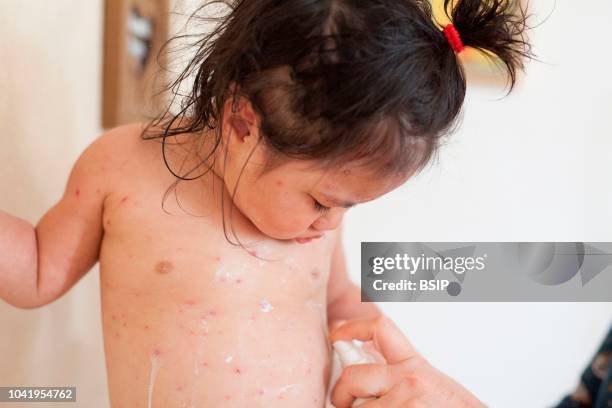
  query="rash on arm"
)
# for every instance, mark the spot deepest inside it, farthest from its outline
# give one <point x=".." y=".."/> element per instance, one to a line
<point x="343" y="296"/>
<point x="38" y="264"/>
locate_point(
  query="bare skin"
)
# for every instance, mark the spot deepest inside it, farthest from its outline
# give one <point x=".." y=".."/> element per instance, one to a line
<point x="188" y="318"/>
<point x="200" y="322"/>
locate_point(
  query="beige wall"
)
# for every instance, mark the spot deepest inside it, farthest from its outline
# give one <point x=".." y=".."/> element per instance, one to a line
<point x="50" y="56"/>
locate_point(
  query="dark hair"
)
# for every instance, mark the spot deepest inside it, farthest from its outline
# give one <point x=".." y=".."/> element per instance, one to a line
<point x="372" y="81"/>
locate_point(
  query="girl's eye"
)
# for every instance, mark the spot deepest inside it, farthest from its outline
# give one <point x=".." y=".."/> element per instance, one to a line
<point x="320" y="207"/>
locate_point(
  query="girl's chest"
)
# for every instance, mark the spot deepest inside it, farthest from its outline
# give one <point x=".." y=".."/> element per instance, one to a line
<point x="190" y="319"/>
<point x="186" y="259"/>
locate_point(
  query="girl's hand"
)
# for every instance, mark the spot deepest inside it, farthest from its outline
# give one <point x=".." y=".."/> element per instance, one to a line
<point x="408" y="380"/>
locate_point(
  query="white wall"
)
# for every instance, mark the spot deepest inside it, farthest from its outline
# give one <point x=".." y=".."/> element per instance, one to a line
<point x="534" y="166"/>
<point x="541" y="176"/>
<point x="51" y="56"/>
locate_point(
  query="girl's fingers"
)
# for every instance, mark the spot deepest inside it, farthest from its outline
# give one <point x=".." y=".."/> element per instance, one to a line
<point x="387" y="337"/>
<point x="361" y="381"/>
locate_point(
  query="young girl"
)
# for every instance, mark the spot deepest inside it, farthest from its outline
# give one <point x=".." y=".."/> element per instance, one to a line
<point x="299" y="110"/>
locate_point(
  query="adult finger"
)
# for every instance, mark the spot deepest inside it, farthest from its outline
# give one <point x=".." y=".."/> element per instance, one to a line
<point x="333" y="325"/>
<point x="361" y="381"/>
<point x="398" y="397"/>
<point x="387" y="337"/>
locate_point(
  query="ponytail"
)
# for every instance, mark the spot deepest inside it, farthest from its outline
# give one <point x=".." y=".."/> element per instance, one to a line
<point x="493" y="27"/>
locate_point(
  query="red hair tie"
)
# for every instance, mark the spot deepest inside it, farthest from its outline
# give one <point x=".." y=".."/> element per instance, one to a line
<point x="452" y="35"/>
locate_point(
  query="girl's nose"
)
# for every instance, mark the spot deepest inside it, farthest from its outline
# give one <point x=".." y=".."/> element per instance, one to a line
<point x="329" y="221"/>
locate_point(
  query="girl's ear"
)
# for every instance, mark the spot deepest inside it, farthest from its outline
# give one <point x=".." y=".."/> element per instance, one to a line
<point x="241" y="118"/>
<point x="239" y="127"/>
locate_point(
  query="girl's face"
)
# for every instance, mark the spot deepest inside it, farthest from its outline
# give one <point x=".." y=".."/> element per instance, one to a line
<point x="294" y="200"/>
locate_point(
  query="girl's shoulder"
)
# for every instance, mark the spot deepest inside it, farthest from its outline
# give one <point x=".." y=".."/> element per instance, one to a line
<point x="133" y="155"/>
<point x="122" y="155"/>
<point x="121" y="137"/>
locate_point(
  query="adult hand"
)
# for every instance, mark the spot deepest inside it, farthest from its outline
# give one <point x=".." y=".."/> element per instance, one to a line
<point x="407" y="380"/>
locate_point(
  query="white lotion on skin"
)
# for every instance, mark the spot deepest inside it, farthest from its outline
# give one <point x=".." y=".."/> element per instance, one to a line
<point x="265" y="306"/>
<point x="223" y="275"/>
<point x="264" y="251"/>
<point x="347" y="353"/>
<point x="154" y="368"/>
<point x="295" y="388"/>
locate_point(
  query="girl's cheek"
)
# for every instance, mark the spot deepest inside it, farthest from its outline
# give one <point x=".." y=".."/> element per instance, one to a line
<point x="294" y="223"/>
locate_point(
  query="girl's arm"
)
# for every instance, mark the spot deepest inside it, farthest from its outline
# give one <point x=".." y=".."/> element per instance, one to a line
<point x="343" y="296"/>
<point x="39" y="264"/>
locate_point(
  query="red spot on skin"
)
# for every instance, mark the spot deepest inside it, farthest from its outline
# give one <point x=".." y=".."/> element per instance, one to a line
<point x="217" y="258"/>
<point x="212" y="312"/>
<point x="252" y="252"/>
<point x="260" y="392"/>
<point x="228" y="397"/>
<point x="123" y="325"/>
<point x="156" y="352"/>
<point x="117" y="335"/>
<point x="280" y="397"/>
<point x="146" y="327"/>
<point x="77" y="192"/>
<point x="252" y="317"/>
<point x="279" y="183"/>
<point x="204" y="364"/>
<point x="189" y="302"/>
<point x="237" y="371"/>
<point x="124" y="199"/>
<point x="181" y="326"/>
<point x="113" y="317"/>
<point x="238" y="280"/>
<point x="98" y="190"/>
<point x="181" y="311"/>
<point x="179" y="388"/>
<point x="191" y="332"/>
<point x="309" y="370"/>
<point x="161" y="309"/>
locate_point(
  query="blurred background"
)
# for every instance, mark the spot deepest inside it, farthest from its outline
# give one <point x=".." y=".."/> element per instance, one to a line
<point x="534" y="166"/>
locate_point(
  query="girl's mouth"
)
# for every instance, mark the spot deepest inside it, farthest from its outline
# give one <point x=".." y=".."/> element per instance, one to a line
<point x="306" y="240"/>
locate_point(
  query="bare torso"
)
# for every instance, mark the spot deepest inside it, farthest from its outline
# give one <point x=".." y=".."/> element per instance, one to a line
<point x="191" y="320"/>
